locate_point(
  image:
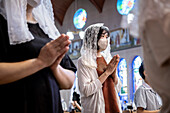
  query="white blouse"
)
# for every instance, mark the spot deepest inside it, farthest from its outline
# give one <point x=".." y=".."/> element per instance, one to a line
<point x="92" y="99"/>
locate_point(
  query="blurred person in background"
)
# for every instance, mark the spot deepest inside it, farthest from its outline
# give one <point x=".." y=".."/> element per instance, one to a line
<point x="76" y="101"/>
<point x="146" y="99"/>
<point x="124" y="105"/>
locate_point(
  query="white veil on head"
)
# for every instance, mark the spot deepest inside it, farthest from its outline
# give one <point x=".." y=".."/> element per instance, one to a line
<point x="89" y="47"/>
<point x="14" y="11"/>
<point x="43" y="14"/>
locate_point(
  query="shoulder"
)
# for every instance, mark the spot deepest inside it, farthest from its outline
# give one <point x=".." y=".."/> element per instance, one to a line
<point x="140" y="97"/>
<point x="140" y="89"/>
<point x="80" y="60"/>
<point x="140" y="92"/>
<point x="84" y="64"/>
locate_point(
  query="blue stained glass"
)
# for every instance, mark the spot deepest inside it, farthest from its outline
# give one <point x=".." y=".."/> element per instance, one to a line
<point x="136" y="78"/>
<point x="125" y="6"/>
<point x="122" y="74"/>
<point x="80" y="18"/>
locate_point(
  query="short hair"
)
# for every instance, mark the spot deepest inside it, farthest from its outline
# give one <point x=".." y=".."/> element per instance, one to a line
<point x="141" y="70"/>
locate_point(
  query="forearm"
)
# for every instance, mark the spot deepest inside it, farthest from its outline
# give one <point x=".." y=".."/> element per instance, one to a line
<point x="78" y="106"/>
<point x="155" y="111"/>
<point x="146" y="111"/>
<point x="64" y="77"/>
<point x="115" y="78"/>
<point x="103" y="77"/>
<point x="10" y="72"/>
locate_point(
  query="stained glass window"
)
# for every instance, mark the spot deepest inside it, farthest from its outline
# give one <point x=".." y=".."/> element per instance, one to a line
<point x="122" y="74"/>
<point x="137" y="80"/>
<point x="80" y="18"/>
<point x="125" y="6"/>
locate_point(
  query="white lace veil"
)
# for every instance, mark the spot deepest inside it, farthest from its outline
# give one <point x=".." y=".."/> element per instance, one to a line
<point x="14" y="11"/>
<point x="145" y="10"/>
<point x="89" y="47"/>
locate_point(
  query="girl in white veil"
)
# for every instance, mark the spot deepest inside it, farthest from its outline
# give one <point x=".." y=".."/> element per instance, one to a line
<point x="96" y="46"/>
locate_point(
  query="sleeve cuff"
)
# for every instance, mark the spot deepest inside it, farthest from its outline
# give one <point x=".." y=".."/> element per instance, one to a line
<point x="98" y="83"/>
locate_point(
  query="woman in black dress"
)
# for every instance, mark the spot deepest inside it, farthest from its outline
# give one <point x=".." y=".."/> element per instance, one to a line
<point x="32" y="72"/>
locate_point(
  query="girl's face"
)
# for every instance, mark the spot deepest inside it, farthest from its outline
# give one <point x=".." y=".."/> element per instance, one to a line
<point x="104" y="35"/>
<point x="103" y="42"/>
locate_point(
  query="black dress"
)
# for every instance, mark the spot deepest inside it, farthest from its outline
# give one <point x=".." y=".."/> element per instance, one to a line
<point x="37" y="93"/>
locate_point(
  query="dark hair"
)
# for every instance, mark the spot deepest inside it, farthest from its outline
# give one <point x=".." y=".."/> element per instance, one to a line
<point x="141" y="71"/>
<point x="102" y="28"/>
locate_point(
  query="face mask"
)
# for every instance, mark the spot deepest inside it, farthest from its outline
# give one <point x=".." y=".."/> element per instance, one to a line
<point x="34" y="3"/>
<point x="102" y="43"/>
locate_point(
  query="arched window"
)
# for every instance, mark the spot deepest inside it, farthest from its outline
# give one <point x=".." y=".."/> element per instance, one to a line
<point x="122" y="74"/>
<point x="136" y="78"/>
<point x="80" y="18"/>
